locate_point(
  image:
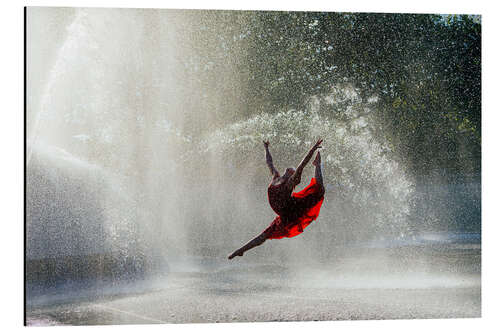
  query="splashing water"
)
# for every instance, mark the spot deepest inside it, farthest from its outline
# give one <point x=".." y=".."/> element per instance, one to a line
<point x="93" y="178"/>
<point x="114" y="99"/>
<point x="368" y="192"/>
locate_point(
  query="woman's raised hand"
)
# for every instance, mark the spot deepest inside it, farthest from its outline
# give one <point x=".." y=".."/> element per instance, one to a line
<point x="318" y="144"/>
<point x="266" y="143"/>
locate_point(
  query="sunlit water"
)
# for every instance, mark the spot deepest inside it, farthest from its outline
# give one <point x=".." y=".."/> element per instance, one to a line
<point x="124" y="200"/>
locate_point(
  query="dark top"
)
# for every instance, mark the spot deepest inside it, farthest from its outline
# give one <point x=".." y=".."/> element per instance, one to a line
<point x="280" y="197"/>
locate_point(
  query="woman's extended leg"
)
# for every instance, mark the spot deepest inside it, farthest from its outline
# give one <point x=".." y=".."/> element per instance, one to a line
<point x="250" y="245"/>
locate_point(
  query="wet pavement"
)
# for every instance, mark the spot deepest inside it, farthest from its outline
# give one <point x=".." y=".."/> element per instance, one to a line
<point x="442" y="283"/>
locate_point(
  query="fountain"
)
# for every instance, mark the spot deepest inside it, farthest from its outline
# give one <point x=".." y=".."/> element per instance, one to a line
<point x="93" y="181"/>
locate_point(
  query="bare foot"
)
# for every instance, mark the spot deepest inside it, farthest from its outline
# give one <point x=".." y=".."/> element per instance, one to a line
<point x="317" y="160"/>
<point x="235" y="253"/>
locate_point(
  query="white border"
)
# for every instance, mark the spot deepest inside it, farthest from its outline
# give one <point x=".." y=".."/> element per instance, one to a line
<point x="12" y="162"/>
<point x="423" y="6"/>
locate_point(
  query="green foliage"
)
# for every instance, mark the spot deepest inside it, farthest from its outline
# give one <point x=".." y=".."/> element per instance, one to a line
<point x="424" y="69"/>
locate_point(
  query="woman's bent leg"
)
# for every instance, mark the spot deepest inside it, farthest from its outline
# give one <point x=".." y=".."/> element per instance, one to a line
<point x="317" y="172"/>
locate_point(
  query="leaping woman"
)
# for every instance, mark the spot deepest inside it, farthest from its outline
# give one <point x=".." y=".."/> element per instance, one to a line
<point x="296" y="210"/>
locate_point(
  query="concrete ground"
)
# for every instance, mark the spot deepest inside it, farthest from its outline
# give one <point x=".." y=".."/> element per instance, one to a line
<point x="441" y="283"/>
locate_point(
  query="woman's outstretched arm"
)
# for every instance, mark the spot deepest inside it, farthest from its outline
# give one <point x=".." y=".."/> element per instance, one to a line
<point x="269" y="160"/>
<point x="298" y="172"/>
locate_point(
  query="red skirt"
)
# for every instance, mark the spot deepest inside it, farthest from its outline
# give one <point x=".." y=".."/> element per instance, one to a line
<point x="304" y="208"/>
